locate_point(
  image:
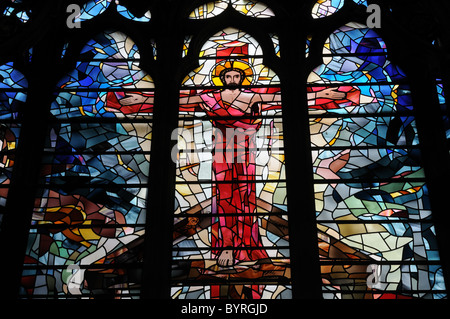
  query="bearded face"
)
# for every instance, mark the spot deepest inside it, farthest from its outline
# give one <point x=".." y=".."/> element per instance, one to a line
<point x="232" y="78"/>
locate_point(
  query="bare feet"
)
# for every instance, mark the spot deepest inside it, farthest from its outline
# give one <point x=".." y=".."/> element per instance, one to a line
<point x="226" y="258"/>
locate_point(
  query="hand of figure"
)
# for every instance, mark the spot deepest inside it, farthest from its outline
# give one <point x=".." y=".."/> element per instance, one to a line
<point x="331" y="93"/>
<point x="133" y="98"/>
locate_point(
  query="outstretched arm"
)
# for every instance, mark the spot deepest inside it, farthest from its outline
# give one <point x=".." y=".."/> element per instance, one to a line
<point x="329" y="93"/>
<point x="186" y="98"/>
<point x="271" y="97"/>
<point x="136" y="98"/>
<point x="190" y="102"/>
<point x="270" y="101"/>
<point x="129" y="102"/>
<point x="333" y="97"/>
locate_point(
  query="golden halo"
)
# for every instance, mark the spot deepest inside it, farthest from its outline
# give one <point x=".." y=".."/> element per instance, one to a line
<point x="232" y="64"/>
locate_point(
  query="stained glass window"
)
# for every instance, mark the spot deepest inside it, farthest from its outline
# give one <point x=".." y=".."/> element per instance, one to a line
<point x="90" y="209"/>
<point x="230" y="219"/>
<point x="223" y="149"/>
<point x="13" y="95"/>
<point x="373" y="210"/>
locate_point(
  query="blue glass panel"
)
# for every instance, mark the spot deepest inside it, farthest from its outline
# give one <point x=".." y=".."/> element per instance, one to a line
<point x="92" y="9"/>
<point x="127" y="14"/>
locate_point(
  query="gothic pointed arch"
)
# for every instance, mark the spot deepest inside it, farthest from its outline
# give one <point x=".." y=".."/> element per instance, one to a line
<point x="91" y="203"/>
<point x="230" y="198"/>
<point x="369" y="177"/>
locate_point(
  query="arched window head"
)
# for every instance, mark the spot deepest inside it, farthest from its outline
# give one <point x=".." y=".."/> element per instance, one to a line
<point x="354" y="38"/>
<point x="231" y="47"/>
<point x="230" y="185"/>
<point x="109" y="60"/>
<point x="358" y="50"/>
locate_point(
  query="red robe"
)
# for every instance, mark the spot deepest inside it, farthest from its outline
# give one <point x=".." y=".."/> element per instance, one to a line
<point x="234" y="169"/>
<point x="234" y="193"/>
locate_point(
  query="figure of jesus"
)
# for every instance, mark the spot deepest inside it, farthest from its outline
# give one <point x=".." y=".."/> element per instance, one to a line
<point x="234" y="111"/>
